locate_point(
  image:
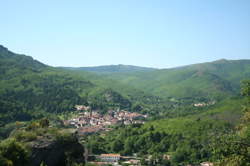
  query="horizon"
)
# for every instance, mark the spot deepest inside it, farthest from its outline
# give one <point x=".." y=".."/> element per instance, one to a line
<point x="159" y="34"/>
<point x="103" y="65"/>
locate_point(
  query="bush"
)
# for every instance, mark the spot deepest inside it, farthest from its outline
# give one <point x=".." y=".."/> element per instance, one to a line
<point x="44" y="123"/>
<point x="13" y="153"/>
<point x="33" y="126"/>
<point x="25" y="136"/>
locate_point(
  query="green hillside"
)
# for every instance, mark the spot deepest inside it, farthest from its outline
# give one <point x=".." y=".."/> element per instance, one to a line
<point x="188" y="139"/>
<point x="211" y="80"/>
<point x="29" y="89"/>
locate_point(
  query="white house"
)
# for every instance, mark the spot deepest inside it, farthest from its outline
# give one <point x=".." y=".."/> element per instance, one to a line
<point x="110" y="157"/>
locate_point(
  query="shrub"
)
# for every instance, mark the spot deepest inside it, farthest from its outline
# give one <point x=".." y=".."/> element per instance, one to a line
<point x="13" y="153"/>
<point x="25" y="136"/>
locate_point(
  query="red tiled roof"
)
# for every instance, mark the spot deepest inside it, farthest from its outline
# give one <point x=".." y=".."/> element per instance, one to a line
<point x="110" y="155"/>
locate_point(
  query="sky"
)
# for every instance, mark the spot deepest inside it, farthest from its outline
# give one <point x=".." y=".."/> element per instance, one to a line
<point x="152" y="33"/>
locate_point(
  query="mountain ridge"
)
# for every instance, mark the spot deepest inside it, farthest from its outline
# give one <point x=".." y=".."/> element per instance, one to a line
<point x="120" y="68"/>
<point x="102" y="68"/>
<point x="200" y="79"/>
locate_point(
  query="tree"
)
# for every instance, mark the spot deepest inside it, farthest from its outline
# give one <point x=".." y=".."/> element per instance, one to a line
<point x="235" y="149"/>
<point x="245" y="89"/>
<point x="117" y="146"/>
<point x="44" y="123"/>
<point x="13" y="153"/>
<point x="128" y="147"/>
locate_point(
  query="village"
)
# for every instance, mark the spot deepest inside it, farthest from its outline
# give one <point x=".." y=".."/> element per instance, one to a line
<point x="89" y="121"/>
<point x="204" y="104"/>
<point x="118" y="160"/>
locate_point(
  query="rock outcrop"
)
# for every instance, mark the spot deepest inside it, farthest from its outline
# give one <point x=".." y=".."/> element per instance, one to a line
<point x="53" y="152"/>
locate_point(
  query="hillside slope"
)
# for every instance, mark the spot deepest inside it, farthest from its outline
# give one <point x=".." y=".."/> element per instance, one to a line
<point x="188" y="139"/>
<point x="213" y="79"/>
<point x="28" y="89"/>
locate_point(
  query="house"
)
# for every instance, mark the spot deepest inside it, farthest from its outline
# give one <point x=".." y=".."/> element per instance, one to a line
<point x="206" y="164"/>
<point x="133" y="162"/>
<point x="127" y="122"/>
<point x="99" y="163"/>
<point x="166" y="157"/>
<point x="138" y="122"/>
<point x="82" y="107"/>
<point x="82" y="123"/>
<point x="200" y="104"/>
<point x="110" y="157"/>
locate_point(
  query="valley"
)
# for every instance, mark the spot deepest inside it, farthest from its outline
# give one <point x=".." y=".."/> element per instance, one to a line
<point x="123" y="115"/>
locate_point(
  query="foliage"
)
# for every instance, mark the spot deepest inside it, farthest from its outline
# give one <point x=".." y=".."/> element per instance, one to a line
<point x="234" y="149"/>
<point x="188" y="143"/>
<point x="31" y="90"/>
<point x="44" y="123"/>
<point x="210" y="80"/>
<point x="13" y="153"/>
<point x="186" y="138"/>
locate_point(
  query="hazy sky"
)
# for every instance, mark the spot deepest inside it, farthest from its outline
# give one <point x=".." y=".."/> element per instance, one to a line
<point x="156" y="33"/>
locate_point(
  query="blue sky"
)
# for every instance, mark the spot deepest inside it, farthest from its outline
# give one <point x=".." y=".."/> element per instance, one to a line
<point x="154" y="33"/>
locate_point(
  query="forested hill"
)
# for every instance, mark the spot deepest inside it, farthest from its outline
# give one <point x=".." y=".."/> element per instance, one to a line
<point x="29" y="89"/>
<point x="21" y="63"/>
<point x="213" y="79"/>
<point x="112" y="69"/>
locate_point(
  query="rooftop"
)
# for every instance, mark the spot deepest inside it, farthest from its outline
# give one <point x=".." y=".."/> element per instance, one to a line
<point x="110" y="155"/>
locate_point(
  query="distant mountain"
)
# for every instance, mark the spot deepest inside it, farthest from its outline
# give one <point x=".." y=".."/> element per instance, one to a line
<point x="213" y="79"/>
<point x="112" y="69"/>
